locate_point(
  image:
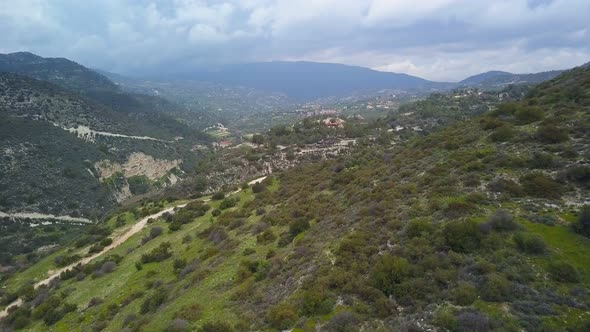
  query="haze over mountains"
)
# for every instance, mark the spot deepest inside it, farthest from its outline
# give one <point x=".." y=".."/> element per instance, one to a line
<point x="308" y="81"/>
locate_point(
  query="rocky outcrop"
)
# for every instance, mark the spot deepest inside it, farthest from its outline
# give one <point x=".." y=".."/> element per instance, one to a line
<point x="137" y="164"/>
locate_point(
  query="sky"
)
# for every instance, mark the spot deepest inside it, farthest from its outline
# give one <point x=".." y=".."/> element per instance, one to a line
<point x="444" y="40"/>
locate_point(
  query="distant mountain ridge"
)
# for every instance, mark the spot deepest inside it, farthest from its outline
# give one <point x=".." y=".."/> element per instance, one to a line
<point x="306" y="81"/>
<point x="499" y="78"/>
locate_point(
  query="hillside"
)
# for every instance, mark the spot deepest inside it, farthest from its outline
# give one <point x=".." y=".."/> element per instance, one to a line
<point x="476" y="227"/>
<point x="57" y="146"/>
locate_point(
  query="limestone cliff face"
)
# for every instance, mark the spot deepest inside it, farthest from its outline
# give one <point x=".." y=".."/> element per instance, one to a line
<point x="137" y="164"/>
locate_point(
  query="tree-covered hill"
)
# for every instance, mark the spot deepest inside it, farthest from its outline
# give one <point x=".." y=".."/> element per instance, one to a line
<point x="480" y="226"/>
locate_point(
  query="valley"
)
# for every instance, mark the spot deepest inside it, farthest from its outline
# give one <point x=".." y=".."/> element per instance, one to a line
<point x="434" y="207"/>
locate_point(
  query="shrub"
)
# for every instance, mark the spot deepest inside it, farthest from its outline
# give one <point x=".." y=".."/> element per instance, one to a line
<point x="488" y="123"/>
<point x="551" y="134"/>
<point x="156" y="231"/>
<point x="343" y="322"/>
<point x="496" y="288"/>
<point x="191" y="312"/>
<point x="178" y="325"/>
<point x="542" y="160"/>
<point x="464" y="294"/>
<point x="580" y="174"/>
<point x="463" y="236"/>
<point x="315" y="302"/>
<point x="541" y="185"/>
<point x="473" y="321"/>
<point x="528" y="114"/>
<point x="389" y="272"/>
<point x="503" y="134"/>
<point x="218" y="196"/>
<point x="153" y="302"/>
<point x="94" y="302"/>
<point x="531" y="244"/>
<point x="198" y="207"/>
<point x="281" y="316"/>
<point x="501" y="220"/>
<point x="228" y="203"/>
<point x="258" y="187"/>
<point x="419" y="227"/>
<point x="298" y="226"/>
<point x="583" y="224"/>
<point x="563" y="272"/>
<point x="457" y="209"/>
<point x="108" y="267"/>
<point x="158" y="254"/>
<point x="268" y="236"/>
<point x="216" y="327"/>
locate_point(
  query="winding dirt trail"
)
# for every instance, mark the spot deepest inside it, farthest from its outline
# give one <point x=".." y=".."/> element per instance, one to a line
<point x="136" y="228"/>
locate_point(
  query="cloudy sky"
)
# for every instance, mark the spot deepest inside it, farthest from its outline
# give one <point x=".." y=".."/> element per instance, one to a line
<point x="434" y="39"/>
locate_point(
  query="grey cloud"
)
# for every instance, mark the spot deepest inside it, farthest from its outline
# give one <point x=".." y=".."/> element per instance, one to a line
<point x="437" y="39"/>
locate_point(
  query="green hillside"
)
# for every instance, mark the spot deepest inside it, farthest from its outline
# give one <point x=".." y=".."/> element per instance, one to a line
<point x="479" y="226"/>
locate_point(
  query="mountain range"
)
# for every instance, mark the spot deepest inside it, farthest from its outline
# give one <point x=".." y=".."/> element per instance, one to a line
<point x="308" y="81"/>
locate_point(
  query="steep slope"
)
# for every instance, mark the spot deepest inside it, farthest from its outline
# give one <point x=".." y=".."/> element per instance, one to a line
<point x="476" y="227"/>
<point x="305" y="81"/>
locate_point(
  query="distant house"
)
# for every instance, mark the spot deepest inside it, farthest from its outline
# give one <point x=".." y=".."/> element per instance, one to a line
<point x="334" y="122"/>
<point x="222" y="144"/>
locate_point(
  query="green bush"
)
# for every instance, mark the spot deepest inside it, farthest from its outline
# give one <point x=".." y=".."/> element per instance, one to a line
<point x="502" y="221"/>
<point x="464" y="294"/>
<point x="563" y="272"/>
<point x="281" y="316"/>
<point x="541" y="185"/>
<point x="218" y="196"/>
<point x="463" y="236"/>
<point x="531" y="244"/>
<point x="503" y="134"/>
<point x="228" y="203"/>
<point x="552" y="134"/>
<point x="266" y="237"/>
<point x="158" y="254"/>
<point x="528" y="114"/>
<point x="389" y="272"/>
<point x="153" y="302"/>
<point x="315" y="302"/>
<point x="496" y="288"/>
<point x="298" y="226"/>
<point x="419" y="227"/>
